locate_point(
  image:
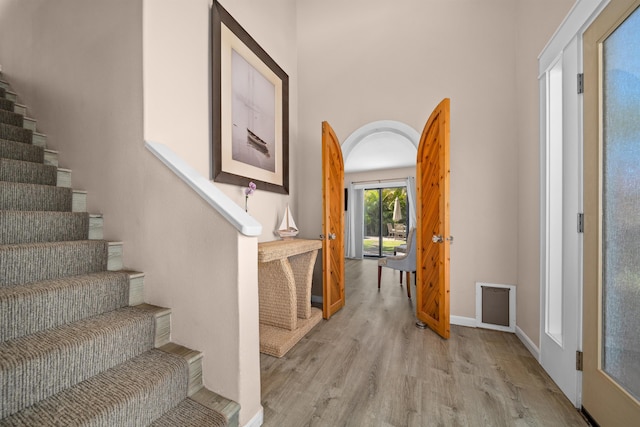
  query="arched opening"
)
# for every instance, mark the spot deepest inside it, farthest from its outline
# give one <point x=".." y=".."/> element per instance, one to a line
<point x="379" y="157"/>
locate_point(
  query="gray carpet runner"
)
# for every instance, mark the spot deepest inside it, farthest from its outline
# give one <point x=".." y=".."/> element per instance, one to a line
<point x="72" y="350"/>
<point x="15" y="133"/>
<point x="27" y="172"/>
<point x="6" y="105"/>
<point x="15" y="196"/>
<point x="42" y="226"/>
<point x="10" y="118"/>
<point x="64" y="300"/>
<point x="32" y="262"/>
<point x="20" y="151"/>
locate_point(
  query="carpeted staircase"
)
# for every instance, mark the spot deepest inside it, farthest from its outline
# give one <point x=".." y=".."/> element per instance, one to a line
<point x="77" y="344"/>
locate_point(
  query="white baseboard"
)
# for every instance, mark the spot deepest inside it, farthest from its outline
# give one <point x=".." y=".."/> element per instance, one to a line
<point x="535" y="351"/>
<point x="469" y="322"/>
<point x="257" y="419"/>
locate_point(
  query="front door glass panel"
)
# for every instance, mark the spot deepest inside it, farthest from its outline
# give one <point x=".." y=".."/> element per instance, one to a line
<point x="620" y="310"/>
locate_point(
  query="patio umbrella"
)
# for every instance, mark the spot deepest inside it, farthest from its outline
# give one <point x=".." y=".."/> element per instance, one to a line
<point x="397" y="214"/>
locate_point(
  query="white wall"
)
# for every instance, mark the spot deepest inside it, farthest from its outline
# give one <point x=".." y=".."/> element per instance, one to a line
<point x="361" y="61"/>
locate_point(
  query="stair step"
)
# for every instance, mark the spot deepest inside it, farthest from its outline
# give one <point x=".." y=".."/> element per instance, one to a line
<point x="17" y="133"/>
<point x="27" y="122"/>
<point x="194" y="358"/>
<point x="229" y="409"/>
<point x="18" y="227"/>
<point x="20" y="109"/>
<point x="11" y="118"/>
<point x="191" y="413"/>
<point x="64" y="300"/>
<point x="5" y="92"/>
<point x="21" y="151"/>
<point x="64" y="356"/>
<point x="78" y="201"/>
<point x="34" y="197"/>
<point x="39" y="139"/>
<point x="134" y="393"/>
<point x="34" y="262"/>
<point x="50" y="157"/>
<point x="28" y="172"/>
<point x="63" y="178"/>
<point x="115" y="257"/>
<point x="4" y="85"/>
<point x="7" y="105"/>
<point x="96" y="226"/>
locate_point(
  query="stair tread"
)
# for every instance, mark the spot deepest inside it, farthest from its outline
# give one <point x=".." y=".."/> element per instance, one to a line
<point x="21" y="151"/>
<point x="50" y="260"/>
<point x="35" y="197"/>
<point x="67" y="299"/>
<point x="190" y="413"/>
<point x="155" y="380"/>
<point x="12" y="170"/>
<point x="18" y="227"/>
<point x="90" y="346"/>
<point x="16" y="133"/>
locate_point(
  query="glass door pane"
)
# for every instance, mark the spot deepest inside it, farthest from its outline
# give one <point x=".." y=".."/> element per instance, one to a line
<point x="372" y="230"/>
<point x="385" y="220"/>
<point x="620" y="309"/>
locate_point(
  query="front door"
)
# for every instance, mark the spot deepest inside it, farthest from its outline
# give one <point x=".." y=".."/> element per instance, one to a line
<point x="611" y="325"/>
<point x="433" y="239"/>
<point x="332" y="223"/>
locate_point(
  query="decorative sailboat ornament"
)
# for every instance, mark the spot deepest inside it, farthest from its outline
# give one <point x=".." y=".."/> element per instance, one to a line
<point x="288" y="227"/>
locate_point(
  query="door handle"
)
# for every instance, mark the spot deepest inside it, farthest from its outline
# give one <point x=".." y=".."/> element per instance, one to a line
<point x="332" y="236"/>
<point x="440" y="239"/>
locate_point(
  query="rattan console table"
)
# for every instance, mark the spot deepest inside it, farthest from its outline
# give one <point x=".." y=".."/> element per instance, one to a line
<point x="285" y="270"/>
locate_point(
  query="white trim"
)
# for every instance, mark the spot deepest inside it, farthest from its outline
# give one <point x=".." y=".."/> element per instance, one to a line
<point x="392" y="126"/>
<point x="512" y="307"/>
<point x="257" y="419"/>
<point x="577" y="20"/>
<point x="535" y="351"/>
<point x="469" y="322"/>
<point x="211" y="194"/>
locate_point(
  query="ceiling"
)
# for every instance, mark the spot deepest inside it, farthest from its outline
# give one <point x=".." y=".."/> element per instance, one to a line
<point x="381" y="149"/>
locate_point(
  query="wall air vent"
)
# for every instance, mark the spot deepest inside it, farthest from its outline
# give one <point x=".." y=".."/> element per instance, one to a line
<point x="496" y="306"/>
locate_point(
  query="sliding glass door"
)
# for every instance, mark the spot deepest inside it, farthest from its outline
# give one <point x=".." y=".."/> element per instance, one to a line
<point x="385" y="220"/>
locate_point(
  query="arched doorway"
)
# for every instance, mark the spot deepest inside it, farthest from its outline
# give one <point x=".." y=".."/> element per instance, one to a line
<point x="380" y="154"/>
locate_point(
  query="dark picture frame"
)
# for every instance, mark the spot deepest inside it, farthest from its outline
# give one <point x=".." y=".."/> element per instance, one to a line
<point x="250" y="111"/>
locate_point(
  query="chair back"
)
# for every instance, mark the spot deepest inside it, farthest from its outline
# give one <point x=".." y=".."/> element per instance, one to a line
<point x="411" y="249"/>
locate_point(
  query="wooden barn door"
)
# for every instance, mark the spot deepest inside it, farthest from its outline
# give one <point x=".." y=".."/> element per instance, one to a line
<point x="332" y="223"/>
<point x="433" y="239"/>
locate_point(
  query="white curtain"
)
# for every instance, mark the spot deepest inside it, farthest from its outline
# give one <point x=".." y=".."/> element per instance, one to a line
<point x="411" y="196"/>
<point x="354" y="223"/>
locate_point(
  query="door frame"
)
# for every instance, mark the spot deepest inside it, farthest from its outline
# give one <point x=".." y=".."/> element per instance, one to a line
<point x="571" y="30"/>
<point x="612" y="405"/>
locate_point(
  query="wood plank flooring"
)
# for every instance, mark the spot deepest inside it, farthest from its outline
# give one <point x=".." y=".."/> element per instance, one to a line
<point x="370" y="366"/>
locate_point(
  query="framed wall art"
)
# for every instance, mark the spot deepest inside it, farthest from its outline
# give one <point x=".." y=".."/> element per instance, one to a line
<point x="250" y="95"/>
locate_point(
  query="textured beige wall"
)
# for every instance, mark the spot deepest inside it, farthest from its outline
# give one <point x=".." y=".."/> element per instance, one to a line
<point x="177" y="89"/>
<point x="396" y="60"/>
<point x="537" y="21"/>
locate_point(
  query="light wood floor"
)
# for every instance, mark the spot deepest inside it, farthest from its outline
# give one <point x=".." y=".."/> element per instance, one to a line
<point x="370" y="366"/>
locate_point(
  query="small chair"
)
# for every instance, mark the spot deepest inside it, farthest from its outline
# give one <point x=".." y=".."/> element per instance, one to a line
<point x="391" y="232"/>
<point x="405" y="262"/>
